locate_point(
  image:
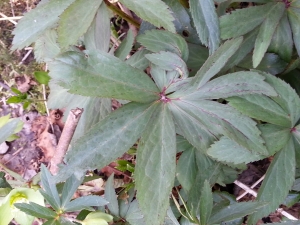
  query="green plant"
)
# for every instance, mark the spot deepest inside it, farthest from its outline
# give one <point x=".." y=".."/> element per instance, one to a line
<point x="211" y="105"/>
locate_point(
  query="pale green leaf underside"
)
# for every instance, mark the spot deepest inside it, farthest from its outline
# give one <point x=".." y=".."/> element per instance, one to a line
<point x="156" y="160"/>
<point x="111" y="197"/>
<point x="266" y="32"/>
<point x="94" y="108"/>
<point x="38" y="20"/>
<point x="234" y="211"/>
<point x="152" y="11"/>
<point x="228" y="151"/>
<point x="234" y="84"/>
<point x="108" y="139"/>
<point x="280" y="176"/>
<point x="262" y="108"/>
<point x="75" y="21"/>
<point x="169" y="61"/>
<point x="46" y="46"/>
<point x="223" y="119"/>
<point x="162" y="40"/>
<point x="206" y="22"/>
<point x="102" y="75"/>
<point x="287" y="97"/>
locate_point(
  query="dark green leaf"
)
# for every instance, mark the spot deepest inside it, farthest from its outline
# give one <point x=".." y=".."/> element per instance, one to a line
<point x="282" y="41"/>
<point x="266" y="31"/>
<point x="287" y="97"/>
<point x="240" y="19"/>
<point x="36" y="210"/>
<point x="161" y="40"/>
<point x="194" y="130"/>
<point x="261" y="108"/>
<point x="85" y="202"/>
<point x="3" y="182"/>
<point x="69" y="189"/>
<point x="197" y="57"/>
<point x="296" y="185"/>
<point x="206" y="203"/>
<point x="42" y="77"/>
<point x="111" y="197"/>
<point x="226" y="150"/>
<point x="216" y="61"/>
<point x="50" y="192"/>
<point x="233" y="84"/>
<point x="235" y="211"/>
<point x="270" y="63"/>
<point x="222" y="119"/>
<point x="294" y="18"/>
<point x="125" y="47"/>
<point x="279" y="177"/>
<point x="37" y="21"/>
<point x="152" y="11"/>
<point x="98" y="34"/>
<point x="108" y="139"/>
<point x="75" y="21"/>
<point x="276" y="137"/>
<point x="156" y="159"/>
<point x="186" y="169"/>
<point x="102" y="75"/>
<point x="206" y="22"/>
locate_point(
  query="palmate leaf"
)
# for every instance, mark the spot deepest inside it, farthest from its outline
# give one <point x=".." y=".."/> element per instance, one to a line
<point x="80" y="15"/>
<point x="280" y="177"/>
<point x="206" y="22"/>
<point x="69" y="189"/>
<point x="156" y="159"/>
<point x="162" y="40"/>
<point x="111" y="197"/>
<point x="36" y="210"/>
<point x="125" y="47"/>
<point x="38" y="20"/>
<point x="206" y="203"/>
<point x="108" y="139"/>
<point x="102" y="75"/>
<point x="152" y="11"/>
<point x="223" y="119"/>
<point x="85" y="202"/>
<point x="294" y="18"/>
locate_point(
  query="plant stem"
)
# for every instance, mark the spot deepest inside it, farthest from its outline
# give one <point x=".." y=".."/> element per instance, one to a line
<point x="122" y="14"/>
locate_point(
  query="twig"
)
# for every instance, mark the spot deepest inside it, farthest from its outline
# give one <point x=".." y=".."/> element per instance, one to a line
<point x="122" y="14"/>
<point x="12" y="8"/>
<point x="65" y="139"/>
<point x="254" y="193"/>
<point x="10" y="19"/>
<point x="26" y="56"/>
<point x="253" y="186"/>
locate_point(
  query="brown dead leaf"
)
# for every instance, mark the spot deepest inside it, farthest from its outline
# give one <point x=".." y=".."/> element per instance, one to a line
<point x="23" y="83"/>
<point x="108" y="170"/>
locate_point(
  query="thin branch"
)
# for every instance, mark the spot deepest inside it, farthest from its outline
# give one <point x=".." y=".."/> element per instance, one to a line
<point x="254" y="193"/>
<point x="121" y="14"/>
<point x="65" y="139"/>
<point x="253" y="186"/>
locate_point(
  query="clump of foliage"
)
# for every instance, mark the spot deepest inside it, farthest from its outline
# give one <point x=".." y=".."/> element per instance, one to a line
<point x="211" y="94"/>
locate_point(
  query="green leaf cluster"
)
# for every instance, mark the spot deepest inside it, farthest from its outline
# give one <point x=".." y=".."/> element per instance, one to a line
<point x="188" y="90"/>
